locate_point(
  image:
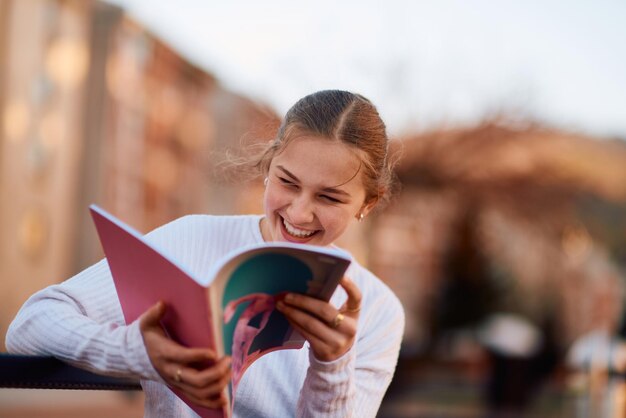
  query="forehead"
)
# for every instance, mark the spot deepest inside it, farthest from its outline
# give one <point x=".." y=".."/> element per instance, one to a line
<point x="320" y="161"/>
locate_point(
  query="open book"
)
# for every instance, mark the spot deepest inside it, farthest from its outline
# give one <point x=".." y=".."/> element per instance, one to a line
<point x="232" y="309"/>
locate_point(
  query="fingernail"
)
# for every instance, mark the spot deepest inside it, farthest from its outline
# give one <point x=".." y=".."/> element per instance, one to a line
<point x="289" y="297"/>
<point x="280" y="305"/>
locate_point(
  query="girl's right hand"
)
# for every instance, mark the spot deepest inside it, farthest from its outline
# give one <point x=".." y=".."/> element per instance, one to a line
<point x="178" y="365"/>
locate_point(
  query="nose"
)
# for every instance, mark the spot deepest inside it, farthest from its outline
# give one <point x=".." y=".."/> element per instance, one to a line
<point x="301" y="211"/>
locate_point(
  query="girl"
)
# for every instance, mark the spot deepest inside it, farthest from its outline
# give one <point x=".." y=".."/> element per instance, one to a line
<point x="327" y="167"/>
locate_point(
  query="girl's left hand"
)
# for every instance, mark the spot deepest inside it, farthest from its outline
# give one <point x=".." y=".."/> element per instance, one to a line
<point x="329" y="331"/>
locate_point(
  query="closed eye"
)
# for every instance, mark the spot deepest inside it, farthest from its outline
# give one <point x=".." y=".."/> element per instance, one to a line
<point x="330" y="199"/>
<point x="286" y="182"/>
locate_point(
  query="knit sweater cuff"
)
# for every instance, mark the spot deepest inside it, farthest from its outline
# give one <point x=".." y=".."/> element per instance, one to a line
<point x="329" y="387"/>
<point x="333" y="366"/>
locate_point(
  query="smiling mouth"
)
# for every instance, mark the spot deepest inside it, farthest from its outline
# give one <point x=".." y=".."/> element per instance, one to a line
<point x="296" y="232"/>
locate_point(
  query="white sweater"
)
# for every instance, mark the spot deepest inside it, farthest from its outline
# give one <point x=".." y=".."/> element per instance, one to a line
<point x="80" y="321"/>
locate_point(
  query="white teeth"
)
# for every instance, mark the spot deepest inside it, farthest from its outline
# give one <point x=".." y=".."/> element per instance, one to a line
<point x="295" y="231"/>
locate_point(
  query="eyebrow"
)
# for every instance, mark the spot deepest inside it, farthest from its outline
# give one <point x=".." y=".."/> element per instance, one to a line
<point x="326" y="189"/>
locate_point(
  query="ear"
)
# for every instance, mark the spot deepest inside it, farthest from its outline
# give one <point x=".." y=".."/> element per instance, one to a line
<point x="368" y="206"/>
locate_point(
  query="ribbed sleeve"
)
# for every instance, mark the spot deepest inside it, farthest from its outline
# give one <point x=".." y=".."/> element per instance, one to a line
<point x="80" y="320"/>
<point x="329" y="388"/>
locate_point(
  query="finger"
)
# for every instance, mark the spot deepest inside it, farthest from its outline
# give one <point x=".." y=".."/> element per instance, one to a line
<point x="208" y="376"/>
<point x="215" y="389"/>
<point x="188" y="356"/>
<point x="167" y="351"/>
<point x="325" y="350"/>
<point x="313" y="339"/>
<point x="353" y="304"/>
<point x="215" y="402"/>
<point x="319" y="308"/>
<point x="210" y="391"/>
<point x="152" y="316"/>
<point x="324" y="330"/>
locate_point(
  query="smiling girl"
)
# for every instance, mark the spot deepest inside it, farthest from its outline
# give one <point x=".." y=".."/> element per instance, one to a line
<point x="327" y="167"/>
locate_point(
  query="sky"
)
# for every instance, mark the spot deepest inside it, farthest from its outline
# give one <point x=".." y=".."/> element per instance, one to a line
<point x="424" y="63"/>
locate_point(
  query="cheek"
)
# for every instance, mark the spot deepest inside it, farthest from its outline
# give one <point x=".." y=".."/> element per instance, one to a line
<point x="334" y="219"/>
<point x="272" y="200"/>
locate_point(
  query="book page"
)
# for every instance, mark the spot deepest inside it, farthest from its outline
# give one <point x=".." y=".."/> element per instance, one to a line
<point x="251" y="285"/>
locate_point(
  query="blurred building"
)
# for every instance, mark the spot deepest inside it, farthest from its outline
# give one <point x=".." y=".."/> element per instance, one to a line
<point x="512" y="214"/>
<point x="504" y="245"/>
<point x="97" y="110"/>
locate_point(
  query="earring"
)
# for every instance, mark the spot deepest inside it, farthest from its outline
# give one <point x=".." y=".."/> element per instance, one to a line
<point x="265" y="181"/>
<point x="360" y="217"/>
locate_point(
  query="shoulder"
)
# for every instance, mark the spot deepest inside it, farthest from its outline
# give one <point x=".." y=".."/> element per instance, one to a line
<point x="199" y="232"/>
<point x="200" y="224"/>
<point x="202" y="220"/>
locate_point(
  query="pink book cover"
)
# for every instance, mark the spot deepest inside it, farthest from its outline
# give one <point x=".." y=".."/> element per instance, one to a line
<point x="143" y="276"/>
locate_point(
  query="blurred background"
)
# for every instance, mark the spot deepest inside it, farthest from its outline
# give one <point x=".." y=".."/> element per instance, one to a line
<point x="506" y="242"/>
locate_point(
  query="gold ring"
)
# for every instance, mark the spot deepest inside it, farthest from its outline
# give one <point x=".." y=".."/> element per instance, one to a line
<point x="178" y="376"/>
<point x="337" y="320"/>
<point x="353" y="310"/>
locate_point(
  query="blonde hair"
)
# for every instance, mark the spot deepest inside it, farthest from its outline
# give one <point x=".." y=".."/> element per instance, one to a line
<point x="339" y="116"/>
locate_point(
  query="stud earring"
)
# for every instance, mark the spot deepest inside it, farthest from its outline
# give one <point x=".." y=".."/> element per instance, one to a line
<point x="265" y="181"/>
<point x="360" y="217"/>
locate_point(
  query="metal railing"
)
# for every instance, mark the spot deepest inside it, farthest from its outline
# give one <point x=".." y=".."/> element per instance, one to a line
<point x="40" y="372"/>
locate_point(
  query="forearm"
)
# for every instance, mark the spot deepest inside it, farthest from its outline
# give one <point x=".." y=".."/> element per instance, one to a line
<point x="80" y="322"/>
<point x="355" y="384"/>
<point x="339" y="389"/>
<point x="107" y="349"/>
<point x="329" y="388"/>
